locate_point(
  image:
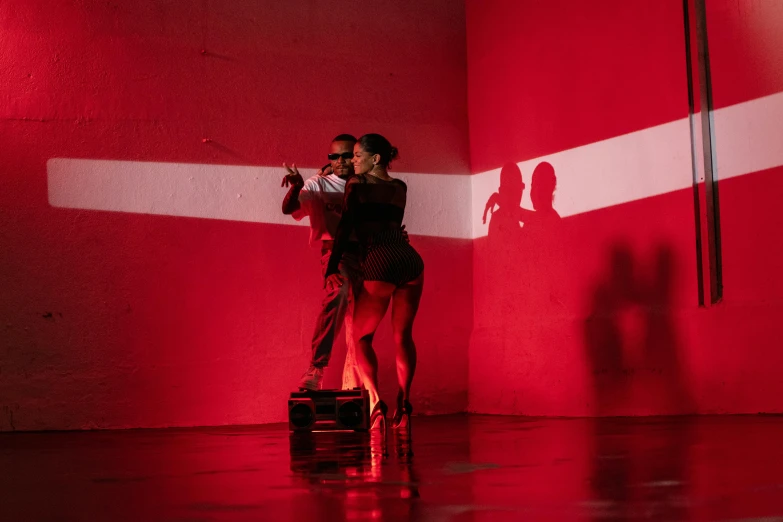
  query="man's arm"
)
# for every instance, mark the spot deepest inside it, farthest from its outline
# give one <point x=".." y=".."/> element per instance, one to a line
<point x="291" y="201"/>
<point x="344" y="228"/>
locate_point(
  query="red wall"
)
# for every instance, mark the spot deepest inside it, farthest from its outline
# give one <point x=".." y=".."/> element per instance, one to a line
<point x="130" y="320"/>
<point x="133" y="320"/>
<point x="597" y="313"/>
<point x="746" y="53"/>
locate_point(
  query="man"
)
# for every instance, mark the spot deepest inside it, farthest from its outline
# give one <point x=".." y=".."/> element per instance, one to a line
<point x="321" y="199"/>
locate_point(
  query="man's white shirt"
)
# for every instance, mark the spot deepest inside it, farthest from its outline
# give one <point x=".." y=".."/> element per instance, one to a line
<point x="321" y="199"/>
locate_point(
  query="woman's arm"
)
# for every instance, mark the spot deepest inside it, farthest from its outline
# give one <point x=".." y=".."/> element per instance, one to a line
<point x="345" y="227"/>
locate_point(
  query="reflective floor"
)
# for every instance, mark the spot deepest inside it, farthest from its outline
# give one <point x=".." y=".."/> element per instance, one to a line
<point x="453" y="468"/>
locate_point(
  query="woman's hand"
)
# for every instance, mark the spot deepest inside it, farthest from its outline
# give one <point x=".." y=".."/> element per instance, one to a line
<point x="334" y="282"/>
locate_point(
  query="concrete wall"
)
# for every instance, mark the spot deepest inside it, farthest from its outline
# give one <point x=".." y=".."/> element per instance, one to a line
<point x="147" y="275"/>
<point x="148" y="278"/>
<point x="593" y="309"/>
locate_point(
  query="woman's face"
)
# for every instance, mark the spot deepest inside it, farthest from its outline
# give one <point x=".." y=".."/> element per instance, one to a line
<point x="362" y="160"/>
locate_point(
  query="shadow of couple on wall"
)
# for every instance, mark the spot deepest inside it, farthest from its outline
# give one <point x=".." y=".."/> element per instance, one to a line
<point x="539" y="275"/>
<point x="553" y="291"/>
<point x="524" y="247"/>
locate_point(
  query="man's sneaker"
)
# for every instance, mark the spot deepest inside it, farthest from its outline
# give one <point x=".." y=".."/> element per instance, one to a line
<point x="312" y="378"/>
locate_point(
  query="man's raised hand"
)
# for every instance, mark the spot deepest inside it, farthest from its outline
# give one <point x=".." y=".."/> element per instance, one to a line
<point x="292" y="177"/>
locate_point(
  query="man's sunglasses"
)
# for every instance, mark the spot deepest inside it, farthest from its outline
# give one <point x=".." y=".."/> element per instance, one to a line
<point x="344" y="155"/>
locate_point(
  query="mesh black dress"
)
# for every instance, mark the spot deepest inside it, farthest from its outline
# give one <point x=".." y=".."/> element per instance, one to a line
<point x="374" y="208"/>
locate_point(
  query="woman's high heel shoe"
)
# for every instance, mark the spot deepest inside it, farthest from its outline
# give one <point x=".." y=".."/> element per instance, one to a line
<point x="378" y="416"/>
<point x="402" y="415"/>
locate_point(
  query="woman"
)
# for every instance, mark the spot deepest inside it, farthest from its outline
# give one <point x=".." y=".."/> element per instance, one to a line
<point x="392" y="270"/>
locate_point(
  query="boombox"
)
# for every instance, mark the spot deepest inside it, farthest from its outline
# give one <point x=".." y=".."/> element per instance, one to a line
<point x="329" y="410"/>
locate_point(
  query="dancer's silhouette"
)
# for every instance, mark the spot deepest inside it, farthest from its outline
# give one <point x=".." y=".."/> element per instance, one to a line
<point x="504" y="221"/>
<point x="603" y="334"/>
<point x="661" y="350"/>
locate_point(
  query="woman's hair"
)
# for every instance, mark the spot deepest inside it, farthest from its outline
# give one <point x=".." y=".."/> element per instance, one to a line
<point x="377" y="144"/>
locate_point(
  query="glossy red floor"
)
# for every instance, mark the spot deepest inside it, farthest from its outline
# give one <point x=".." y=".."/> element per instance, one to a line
<point x="462" y="468"/>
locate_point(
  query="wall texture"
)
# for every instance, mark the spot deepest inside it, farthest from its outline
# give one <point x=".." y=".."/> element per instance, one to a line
<point x="161" y="286"/>
<point x="591" y="307"/>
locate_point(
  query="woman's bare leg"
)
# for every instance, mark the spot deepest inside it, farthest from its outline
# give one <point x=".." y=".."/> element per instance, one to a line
<point x="404" y="307"/>
<point x="369" y="309"/>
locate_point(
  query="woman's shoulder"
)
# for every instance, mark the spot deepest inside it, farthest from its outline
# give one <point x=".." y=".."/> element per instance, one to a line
<point x="356" y="178"/>
<point x="400" y="183"/>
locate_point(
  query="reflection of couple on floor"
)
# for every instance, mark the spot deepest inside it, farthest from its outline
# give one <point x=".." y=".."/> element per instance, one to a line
<point x="363" y="475"/>
<point x="356" y="213"/>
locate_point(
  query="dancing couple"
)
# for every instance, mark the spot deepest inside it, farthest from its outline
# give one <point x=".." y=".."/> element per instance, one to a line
<point x="356" y="214"/>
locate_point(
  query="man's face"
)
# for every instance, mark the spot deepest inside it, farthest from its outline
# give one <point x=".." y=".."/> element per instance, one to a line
<point x="343" y="152"/>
